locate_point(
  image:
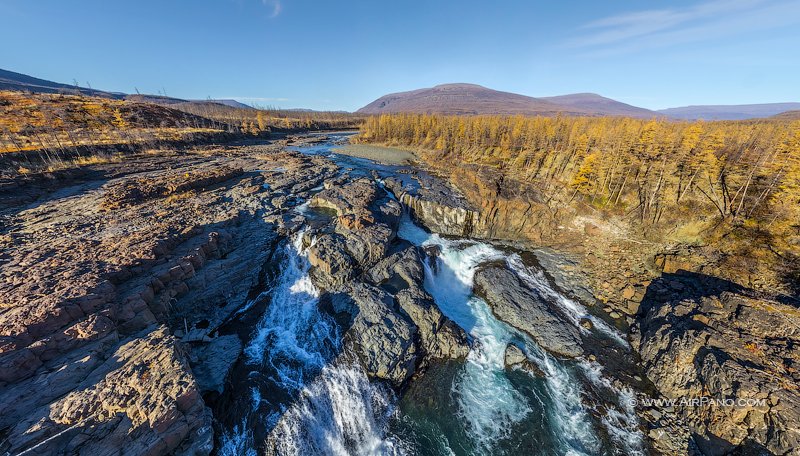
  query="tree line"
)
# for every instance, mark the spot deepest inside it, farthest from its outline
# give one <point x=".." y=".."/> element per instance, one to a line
<point x="659" y="171"/>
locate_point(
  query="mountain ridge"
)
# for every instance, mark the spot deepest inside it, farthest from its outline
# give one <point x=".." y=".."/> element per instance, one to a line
<point x="472" y="99"/>
<point x="729" y="112"/>
<point x="600" y="104"/>
<point x="464" y="98"/>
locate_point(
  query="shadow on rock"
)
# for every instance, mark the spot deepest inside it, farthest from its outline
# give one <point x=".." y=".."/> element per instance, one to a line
<point x="726" y="356"/>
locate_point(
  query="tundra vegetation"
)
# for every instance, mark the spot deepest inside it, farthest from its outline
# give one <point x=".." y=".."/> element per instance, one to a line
<point x="52" y="124"/>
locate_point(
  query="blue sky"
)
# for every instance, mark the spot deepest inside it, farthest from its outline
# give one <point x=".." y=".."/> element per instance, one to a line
<point x="343" y="54"/>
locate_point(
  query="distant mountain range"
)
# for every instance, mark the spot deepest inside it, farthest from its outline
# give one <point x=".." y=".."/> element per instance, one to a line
<point x="788" y="115"/>
<point x="597" y="104"/>
<point x="10" y="80"/>
<point x="456" y="99"/>
<point x="729" y="112"/>
<point x="471" y="99"/>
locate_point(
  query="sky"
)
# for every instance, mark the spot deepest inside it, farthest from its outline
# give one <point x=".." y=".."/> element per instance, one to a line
<point x="340" y="55"/>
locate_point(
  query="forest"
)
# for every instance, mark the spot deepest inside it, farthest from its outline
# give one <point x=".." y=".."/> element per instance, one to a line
<point x="687" y="181"/>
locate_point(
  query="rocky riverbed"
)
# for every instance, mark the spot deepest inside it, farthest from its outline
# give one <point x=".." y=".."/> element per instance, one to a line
<point x="274" y="298"/>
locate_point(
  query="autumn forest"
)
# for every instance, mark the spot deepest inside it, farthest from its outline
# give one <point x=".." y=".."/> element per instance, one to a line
<point x="736" y="184"/>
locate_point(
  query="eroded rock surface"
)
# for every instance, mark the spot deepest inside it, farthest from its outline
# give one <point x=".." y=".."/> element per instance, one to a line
<point x="114" y="279"/>
<point x="515" y="358"/>
<point x="394" y="325"/>
<point x="701" y="337"/>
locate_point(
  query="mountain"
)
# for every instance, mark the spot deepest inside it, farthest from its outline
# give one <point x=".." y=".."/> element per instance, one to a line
<point x="788" y="115"/>
<point x="600" y="105"/>
<point x="729" y="112"/>
<point x="178" y="102"/>
<point x="10" y="80"/>
<point x="469" y="99"/>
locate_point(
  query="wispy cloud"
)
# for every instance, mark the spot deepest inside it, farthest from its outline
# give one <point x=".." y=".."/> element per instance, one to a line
<point x="665" y="27"/>
<point x="275" y="5"/>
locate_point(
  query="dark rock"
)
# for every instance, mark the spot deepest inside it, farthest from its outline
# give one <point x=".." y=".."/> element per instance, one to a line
<point x="515" y="358"/>
<point x="329" y="255"/>
<point x="211" y="361"/>
<point x="512" y="302"/>
<point x="718" y="341"/>
<point x="382" y="339"/>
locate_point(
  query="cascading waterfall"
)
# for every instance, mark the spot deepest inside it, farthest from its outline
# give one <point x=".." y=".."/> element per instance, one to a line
<point x="341" y="413"/>
<point x="620" y="420"/>
<point x="489" y="404"/>
<point x="536" y="279"/>
<point x="293" y="337"/>
<point x="337" y="410"/>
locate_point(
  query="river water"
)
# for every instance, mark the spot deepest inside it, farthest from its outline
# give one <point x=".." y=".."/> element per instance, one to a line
<point x="314" y="401"/>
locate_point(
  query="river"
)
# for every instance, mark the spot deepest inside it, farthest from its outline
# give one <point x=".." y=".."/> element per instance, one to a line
<point x="312" y="400"/>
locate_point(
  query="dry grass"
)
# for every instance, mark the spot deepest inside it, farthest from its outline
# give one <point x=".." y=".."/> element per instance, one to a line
<point x="52" y="123"/>
<point x="179" y="197"/>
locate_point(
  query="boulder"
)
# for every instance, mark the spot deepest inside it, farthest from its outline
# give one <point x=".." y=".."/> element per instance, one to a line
<point x="382" y="340"/>
<point x="515" y="358"/>
<point x="333" y="265"/>
<point x="441" y="338"/>
<point x="528" y="311"/>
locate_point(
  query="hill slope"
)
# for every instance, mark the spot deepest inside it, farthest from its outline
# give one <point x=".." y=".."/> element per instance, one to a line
<point x="601" y="105"/>
<point x="729" y="112"/>
<point x="788" y="115"/>
<point x="10" y="80"/>
<point x="469" y="99"/>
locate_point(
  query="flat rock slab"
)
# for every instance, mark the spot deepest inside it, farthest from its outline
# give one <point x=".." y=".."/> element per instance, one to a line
<point x="528" y="311"/>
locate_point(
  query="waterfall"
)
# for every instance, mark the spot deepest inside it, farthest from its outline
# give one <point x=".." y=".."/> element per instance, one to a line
<point x="327" y="405"/>
<point x="293" y="337"/>
<point x="340" y="413"/>
<point x="490" y="406"/>
<point x="337" y="410"/>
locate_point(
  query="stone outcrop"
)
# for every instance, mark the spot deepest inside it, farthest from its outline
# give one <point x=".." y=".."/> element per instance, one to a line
<point x="525" y="309"/>
<point x="515" y="358"/>
<point x="113" y="285"/>
<point x="704" y="338"/>
<point x="135" y="191"/>
<point x="212" y="361"/>
<point x="402" y="271"/>
<point x="483" y="204"/>
<point x="394" y="326"/>
<point x="141" y="400"/>
<point x="440" y="210"/>
<point x="382" y="338"/>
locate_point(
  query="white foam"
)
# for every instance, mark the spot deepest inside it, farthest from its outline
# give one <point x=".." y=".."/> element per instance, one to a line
<point x="338" y="410"/>
<point x="573" y="310"/>
<point x="620" y="419"/>
<point x="237" y="443"/>
<point x="340" y="413"/>
<point x="489" y="403"/>
<point x="292" y="334"/>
